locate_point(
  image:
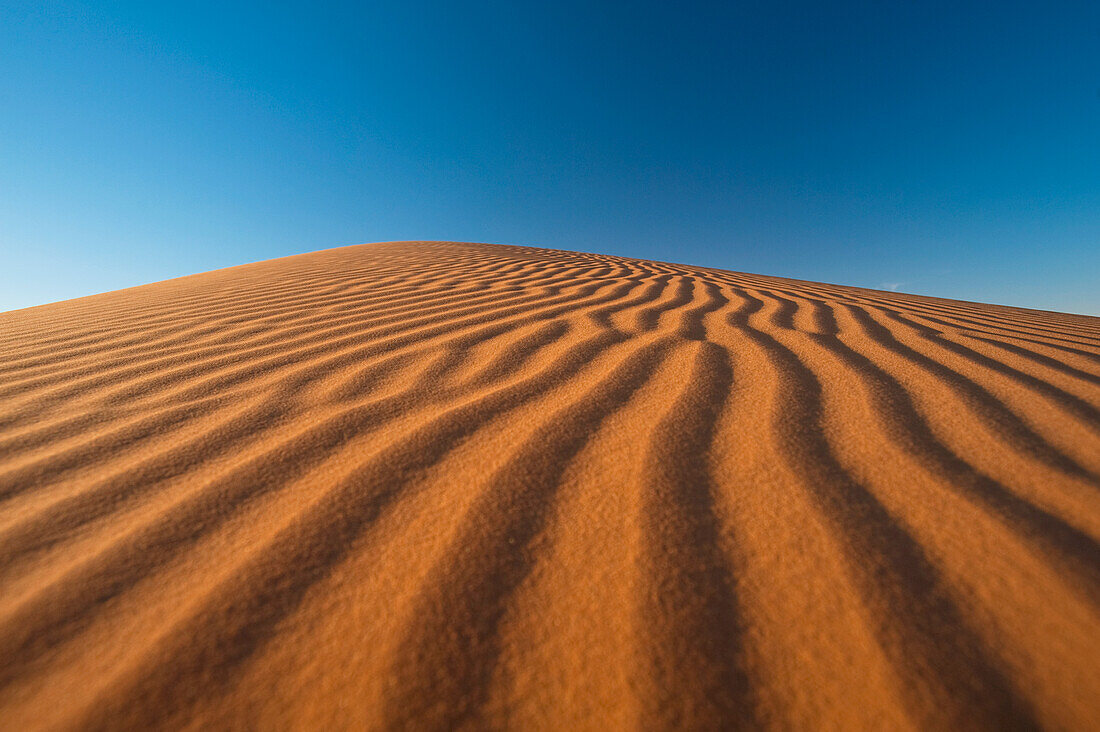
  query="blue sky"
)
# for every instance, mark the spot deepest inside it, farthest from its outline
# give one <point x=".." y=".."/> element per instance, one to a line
<point x="950" y="149"/>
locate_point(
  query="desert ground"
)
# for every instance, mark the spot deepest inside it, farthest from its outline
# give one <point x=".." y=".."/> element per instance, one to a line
<point x="428" y="485"/>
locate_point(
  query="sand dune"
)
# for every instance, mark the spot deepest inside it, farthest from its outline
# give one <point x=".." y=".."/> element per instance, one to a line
<point x="428" y="485"/>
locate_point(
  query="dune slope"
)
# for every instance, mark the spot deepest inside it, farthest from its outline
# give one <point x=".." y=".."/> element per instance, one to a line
<point x="433" y="485"/>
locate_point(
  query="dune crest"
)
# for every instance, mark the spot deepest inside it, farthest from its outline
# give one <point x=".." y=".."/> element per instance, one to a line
<point x="433" y="484"/>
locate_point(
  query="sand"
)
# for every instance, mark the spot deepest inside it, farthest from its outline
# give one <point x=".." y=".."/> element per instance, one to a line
<point x="426" y="485"/>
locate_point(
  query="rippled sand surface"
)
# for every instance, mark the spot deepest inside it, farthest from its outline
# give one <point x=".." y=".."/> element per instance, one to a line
<point x="427" y="485"/>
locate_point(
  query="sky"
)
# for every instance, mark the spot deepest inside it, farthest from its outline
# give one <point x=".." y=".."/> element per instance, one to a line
<point x="948" y="149"/>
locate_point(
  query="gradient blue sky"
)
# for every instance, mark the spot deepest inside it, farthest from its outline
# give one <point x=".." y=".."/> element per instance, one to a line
<point x="950" y="149"/>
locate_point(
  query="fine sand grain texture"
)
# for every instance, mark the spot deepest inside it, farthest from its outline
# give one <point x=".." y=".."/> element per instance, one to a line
<point x="429" y="485"/>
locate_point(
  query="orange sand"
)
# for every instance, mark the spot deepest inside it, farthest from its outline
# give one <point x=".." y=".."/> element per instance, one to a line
<point x="427" y="485"/>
